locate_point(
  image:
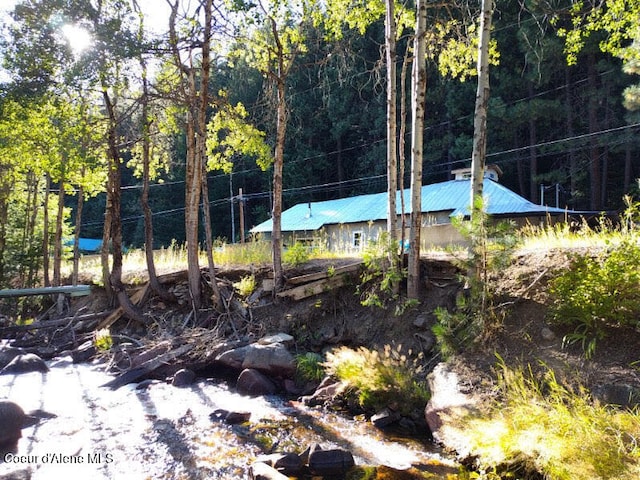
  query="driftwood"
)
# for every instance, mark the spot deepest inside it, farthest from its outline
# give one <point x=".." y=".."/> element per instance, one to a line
<point x="77" y="323"/>
<point x="136" y="299"/>
<point x="147" y="367"/>
<point x="314" y="288"/>
<point x="302" y="279"/>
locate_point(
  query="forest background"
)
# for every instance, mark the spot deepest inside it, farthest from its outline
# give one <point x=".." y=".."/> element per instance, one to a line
<point x="563" y="122"/>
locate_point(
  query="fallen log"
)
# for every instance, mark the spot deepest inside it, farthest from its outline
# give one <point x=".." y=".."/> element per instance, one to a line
<point x="314" y="288"/>
<point x="302" y="279"/>
<point x="148" y="367"/>
<point x="136" y="299"/>
<point x="47" y="324"/>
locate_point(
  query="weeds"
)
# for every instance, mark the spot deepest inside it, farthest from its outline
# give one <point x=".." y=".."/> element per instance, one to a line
<point x="380" y="379"/>
<point x="542" y="427"/>
<point x="309" y="367"/>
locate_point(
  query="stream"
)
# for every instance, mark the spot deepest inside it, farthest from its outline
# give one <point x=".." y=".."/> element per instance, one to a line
<point x="164" y="432"/>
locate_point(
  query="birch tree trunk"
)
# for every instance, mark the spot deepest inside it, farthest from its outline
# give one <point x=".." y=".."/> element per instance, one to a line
<point x="419" y="87"/>
<point x="392" y="149"/>
<point x="480" y="137"/>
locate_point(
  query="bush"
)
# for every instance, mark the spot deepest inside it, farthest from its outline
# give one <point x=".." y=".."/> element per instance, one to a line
<point x="598" y="292"/>
<point x="295" y="255"/>
<point x="309" y="367"/>
<point x="380" y="379"/>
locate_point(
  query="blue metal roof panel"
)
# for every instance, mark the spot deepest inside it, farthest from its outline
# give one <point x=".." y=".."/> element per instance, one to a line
<point x="453" y="195"/>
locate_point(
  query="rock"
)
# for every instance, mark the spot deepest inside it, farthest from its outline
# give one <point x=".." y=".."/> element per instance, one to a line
<point x="12" y="419"/>
<point x="547" y="334"/>
<point x="288" y="463"/>
<point x="9" y="353"/>
<point x="183" y="378"/>
<point x="253" y="383"/>
<point x="617" y="394"/>
<point x="262" y="471"/>
<point x="447" y="407"/>
<point x="84" y="352"/>
<point x="421" y="321"/>
<point x="327" y="391"/>
<point x="232" y="418"/>
<point x="25" y="363"/>
<point x="273" y="359"/>
<point x="385" y="418"/>
<point x="330" y="462"/>
<point x="233" y="358"/>
<point x="283" y="338"/>
<point x="427" y="341"/>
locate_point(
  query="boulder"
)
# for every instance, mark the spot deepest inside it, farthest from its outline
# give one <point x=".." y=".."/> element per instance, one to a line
<point x="84" y="352"/>
<point x="232" y="418"/>
<point x="283" y="338"/>
<point x="447" y="408"/>
<point x="183" y="378"/>
<point x="330" y="462"/>
<point x="253" y="383"/>
<point x="12" y="419"/>
<point x="288" y="463"/>
<point x="273" y="359"/>
<point x="7" y="354"/>
<point x="326" y="392"/>
<point x="25" y="363"/>
<point x="234" y="357"/>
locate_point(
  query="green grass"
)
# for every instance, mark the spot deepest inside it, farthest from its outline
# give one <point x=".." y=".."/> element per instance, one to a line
<point x="543" y="426"/>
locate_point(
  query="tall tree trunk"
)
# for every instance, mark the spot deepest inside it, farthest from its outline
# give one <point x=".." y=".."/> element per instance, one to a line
<point x="401" y="143"/>
<point x="144" y="197"/>
<point x="76" y="234"/>
<point x="278" y="162"/>
<point x="114" y="192"/>
<point x="45" y="232"/>
<point x="628" y="171"/>
<point x="478" y="267"/>
<point x="419" y="87"/>
<point x="392" y="147"/>
<point x="57" y="239"/>
<point x="5" y="189"/>
<point x="202" y="139"/>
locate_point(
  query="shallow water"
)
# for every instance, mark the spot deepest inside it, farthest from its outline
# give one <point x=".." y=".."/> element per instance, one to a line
<point x="164" y="432"/>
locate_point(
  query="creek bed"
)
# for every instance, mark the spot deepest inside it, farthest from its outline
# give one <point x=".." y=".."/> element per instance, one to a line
<point x="165" y="432"/>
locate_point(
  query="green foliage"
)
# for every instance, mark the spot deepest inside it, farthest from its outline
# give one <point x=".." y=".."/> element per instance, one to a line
<point x="231" y="135"/>
<point x="491" y="246"/>
<point x="598" y="292"/>
<point x="103" y="340"/>
<point x="296" y="254"/>
<point x="309" y="367"/>
<point x="539" y="427"/>
<point x="246" y="286"/>
<point x="378" y="279"/>
<point x="380" y="379"/>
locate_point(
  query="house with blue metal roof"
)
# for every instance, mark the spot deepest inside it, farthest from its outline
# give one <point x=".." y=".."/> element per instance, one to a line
<point x="348" y="223"/>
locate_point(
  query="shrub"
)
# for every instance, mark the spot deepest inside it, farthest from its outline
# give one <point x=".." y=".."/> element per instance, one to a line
<point x="246" y="286"/>
<point x="295" y="255"/>
<point x="380" y="379"/>
<point x="598" y="292"/>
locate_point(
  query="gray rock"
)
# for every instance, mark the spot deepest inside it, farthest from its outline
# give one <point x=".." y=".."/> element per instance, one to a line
<point x="12" y="419"/>
<point x="183" y="378"/>
<point x="7" y="354"/>
<point x="253" y="383"/>
<point x="25" y="363"/>
<point x="283" y="338"/>
<point x="273" y="359"/>
<point x="385" y="418"/>
<point x="330" y="462"/>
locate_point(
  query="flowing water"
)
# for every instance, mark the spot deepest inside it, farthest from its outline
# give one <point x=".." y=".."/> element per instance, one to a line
<point x="165" y="432"/>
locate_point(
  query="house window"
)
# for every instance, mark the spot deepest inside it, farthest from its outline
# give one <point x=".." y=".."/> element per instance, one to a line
<point x="357" y="239"/>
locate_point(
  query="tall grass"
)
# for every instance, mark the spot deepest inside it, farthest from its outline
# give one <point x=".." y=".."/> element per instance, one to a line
<point x="542" y="427"/>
